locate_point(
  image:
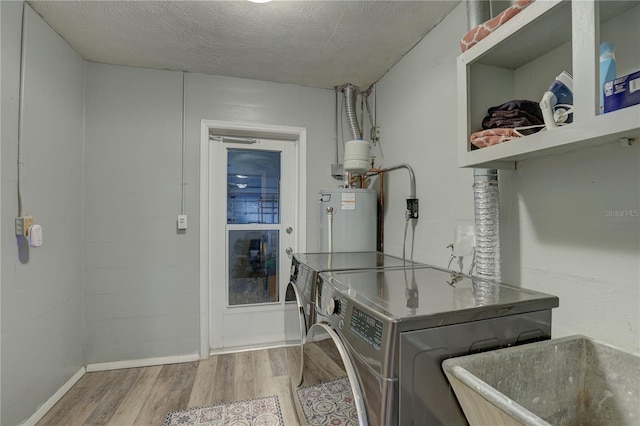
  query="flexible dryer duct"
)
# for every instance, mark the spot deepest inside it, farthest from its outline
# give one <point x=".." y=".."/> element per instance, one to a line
<point x="486" y="202"/>
<point x="486" y="193"/>
<point x="350" y="93"/>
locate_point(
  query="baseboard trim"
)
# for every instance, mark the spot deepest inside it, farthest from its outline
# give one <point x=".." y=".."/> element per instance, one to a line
<point x="143" y="362"/>
<point x="44" y="408"/>
<point x="249" y="348"/>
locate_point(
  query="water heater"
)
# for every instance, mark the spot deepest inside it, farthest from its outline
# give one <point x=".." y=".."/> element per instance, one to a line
<point x="348" y="219"/>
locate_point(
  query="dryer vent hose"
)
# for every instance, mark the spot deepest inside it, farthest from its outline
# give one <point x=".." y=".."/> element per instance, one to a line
<point x="350" y="94"/>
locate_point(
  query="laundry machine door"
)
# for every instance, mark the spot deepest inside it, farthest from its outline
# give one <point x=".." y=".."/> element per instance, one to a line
<point x="330" y="391"/>
<point x="295" y="330"/>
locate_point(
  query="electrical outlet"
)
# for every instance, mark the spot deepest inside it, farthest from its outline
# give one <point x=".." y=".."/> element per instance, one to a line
<point x="22" y="225"/>
<point x="412" y="208"/>
<point x="182" y="221"/>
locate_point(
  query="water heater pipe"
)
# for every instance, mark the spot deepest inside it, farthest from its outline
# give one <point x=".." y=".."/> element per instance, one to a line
<point x="412" y="176"/>
<point x="412" y="181"/>
<point x="372" y="172"/>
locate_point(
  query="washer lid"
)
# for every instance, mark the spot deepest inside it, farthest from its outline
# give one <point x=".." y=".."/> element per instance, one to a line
<point x="433" y="295"/>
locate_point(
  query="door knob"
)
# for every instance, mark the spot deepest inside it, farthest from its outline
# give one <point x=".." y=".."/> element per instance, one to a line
<point x="289" y="250"/>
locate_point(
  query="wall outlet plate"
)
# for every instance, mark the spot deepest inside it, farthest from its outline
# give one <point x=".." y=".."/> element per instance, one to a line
<point x="22" y="225"/>
<point x="412" y="208"/>
<point x="182" y="221"/>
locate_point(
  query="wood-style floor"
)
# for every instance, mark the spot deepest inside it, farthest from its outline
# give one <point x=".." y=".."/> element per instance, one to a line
<point x="142" y="396"/>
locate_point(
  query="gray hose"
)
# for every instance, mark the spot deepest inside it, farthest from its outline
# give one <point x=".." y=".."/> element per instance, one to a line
<point x="478" y="11"/>
<point x="486" y="198"/>
<point x="412" y="177"/>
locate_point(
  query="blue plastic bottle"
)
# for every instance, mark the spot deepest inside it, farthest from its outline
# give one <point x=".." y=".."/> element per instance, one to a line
<point x="607" y="68"/>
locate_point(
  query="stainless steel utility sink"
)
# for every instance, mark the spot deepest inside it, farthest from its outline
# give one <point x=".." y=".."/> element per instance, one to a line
<point x="567" y="381"/>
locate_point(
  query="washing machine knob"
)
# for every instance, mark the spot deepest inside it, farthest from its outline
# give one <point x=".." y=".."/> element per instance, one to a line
<point x="333" y="306"/>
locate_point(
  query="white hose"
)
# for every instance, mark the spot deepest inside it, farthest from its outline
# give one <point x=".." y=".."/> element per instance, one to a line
<point x="23" y="49"/>
<point x="546" y="106"/>
<point x="184" y="137"/>
<point x="330" y="228"/>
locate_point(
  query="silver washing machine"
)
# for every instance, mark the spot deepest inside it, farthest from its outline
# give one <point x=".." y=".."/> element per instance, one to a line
<point x="395" y="327"/>
<point x="305" y="268"/>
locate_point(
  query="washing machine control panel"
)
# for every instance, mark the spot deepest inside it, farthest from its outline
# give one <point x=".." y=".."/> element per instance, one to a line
<point x="366" y="327"/>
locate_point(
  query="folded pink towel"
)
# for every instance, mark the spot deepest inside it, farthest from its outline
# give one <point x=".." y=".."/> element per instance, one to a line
<point x="481" y="31"/>
<point x="490" y="137"/>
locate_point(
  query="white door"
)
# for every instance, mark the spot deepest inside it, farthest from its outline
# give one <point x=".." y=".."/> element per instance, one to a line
<point x="252" y="184"/>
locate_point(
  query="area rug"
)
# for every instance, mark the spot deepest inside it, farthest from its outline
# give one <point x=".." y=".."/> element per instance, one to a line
<point x="328" y="403"/>
<point x="253" y="412"/>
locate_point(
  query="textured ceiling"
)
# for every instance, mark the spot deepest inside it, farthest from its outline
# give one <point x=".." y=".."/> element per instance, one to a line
<point x="311" y="43"/>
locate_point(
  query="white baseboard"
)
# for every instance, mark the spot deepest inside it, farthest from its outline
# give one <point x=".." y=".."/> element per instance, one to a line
<point x="44" y="408"/>
<point x="248" y="348"/>
<point x="144" y="362"/>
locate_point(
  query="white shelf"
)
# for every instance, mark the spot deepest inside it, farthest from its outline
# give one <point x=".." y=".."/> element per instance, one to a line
<point x="520" y="59"/>
<point x="607" y="128"/>
<point x="520" y="40"/>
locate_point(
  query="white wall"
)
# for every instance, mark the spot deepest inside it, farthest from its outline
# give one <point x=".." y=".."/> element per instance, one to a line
<point x="42" y="342"/>
<point x="417" y="118"/>
<point x="141" y="292"/>
<point x="557" y="234"/>
<point x="141" y="275"/>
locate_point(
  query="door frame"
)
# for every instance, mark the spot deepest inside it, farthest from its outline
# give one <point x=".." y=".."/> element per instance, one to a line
<point x="297" y="135"/>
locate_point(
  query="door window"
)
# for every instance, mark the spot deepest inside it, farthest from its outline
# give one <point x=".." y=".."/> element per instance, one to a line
<point x="253" y="206"/>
